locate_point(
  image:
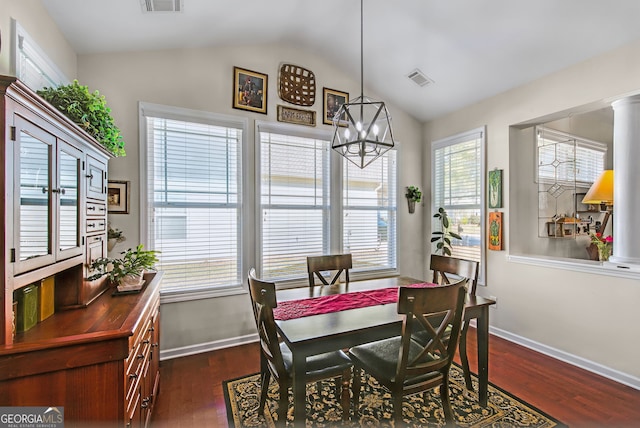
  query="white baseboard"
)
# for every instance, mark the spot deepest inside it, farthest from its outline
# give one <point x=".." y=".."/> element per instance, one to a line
<point x="574" y="360"/>
<point x="583" y="363"/>
<point x="199" y="348"/>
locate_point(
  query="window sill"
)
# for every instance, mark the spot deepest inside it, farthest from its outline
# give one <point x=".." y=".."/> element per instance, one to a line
<point x="174" y="296"/>
<point x="577" y="265"/>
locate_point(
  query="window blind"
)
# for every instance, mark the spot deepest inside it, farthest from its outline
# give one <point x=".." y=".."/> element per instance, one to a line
<point x="294" y="203"/>
<point x="458" y="188"/>
<point x="194" y="193"/>
<point x="369" y="213"/>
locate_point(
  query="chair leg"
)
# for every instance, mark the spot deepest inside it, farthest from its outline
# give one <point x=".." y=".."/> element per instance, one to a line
<point x="463" y="356"/>
<point x="283" y="404"/>
<point x="397" y="409"/>
<point x="446" y="403"/>
<point x="344" y="395"/>
<point x="264" y="389"/>
<point x="355" y="388"/>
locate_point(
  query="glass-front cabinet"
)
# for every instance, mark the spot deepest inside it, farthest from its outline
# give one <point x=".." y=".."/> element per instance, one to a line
<point x="46" y="191"/>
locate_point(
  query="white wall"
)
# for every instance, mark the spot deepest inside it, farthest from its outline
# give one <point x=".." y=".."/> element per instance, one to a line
<point x="201" y="79"/>
<point x="38" y="24"/>
<point x="588" y="318"/>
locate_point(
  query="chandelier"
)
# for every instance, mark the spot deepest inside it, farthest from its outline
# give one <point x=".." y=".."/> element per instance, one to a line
<point x="362" y="128"/>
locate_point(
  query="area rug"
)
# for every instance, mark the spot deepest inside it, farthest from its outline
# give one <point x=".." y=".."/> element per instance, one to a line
<point x="323" y="408"/>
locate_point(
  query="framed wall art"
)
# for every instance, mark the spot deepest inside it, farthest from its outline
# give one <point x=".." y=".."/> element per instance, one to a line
<point x="118" y="197"/>
<point x="495" y="189"/>
<point x="296" y="115"/>
<point x="495" y="231"/>
<point x="332" y="100"/>
<point x="250" y="90"/>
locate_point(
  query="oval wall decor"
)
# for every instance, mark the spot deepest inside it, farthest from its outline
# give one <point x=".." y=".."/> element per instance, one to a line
<point x="297" y="85"/>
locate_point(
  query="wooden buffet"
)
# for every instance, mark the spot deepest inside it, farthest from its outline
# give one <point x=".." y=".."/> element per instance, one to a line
<point x="97" y="354"/>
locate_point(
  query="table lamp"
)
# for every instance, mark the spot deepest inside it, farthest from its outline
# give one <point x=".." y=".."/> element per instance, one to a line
<point x="601" y="191"/>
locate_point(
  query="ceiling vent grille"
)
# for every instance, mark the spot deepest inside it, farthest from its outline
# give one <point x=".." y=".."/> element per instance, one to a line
<point x="162" y="5"/>
<point x="419" y="78"/>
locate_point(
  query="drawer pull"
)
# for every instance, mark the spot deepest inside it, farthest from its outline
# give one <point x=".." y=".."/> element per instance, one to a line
<point x="154" y="345"/>
<point x="133" y="376"/>
<point x="152" y="328"/>
<point x="91" y="208"/>
<point x="89" y="176"/>
<point x="91" y="225"/>
<point x="141" y="356"/>
<point x="146" y="341"/>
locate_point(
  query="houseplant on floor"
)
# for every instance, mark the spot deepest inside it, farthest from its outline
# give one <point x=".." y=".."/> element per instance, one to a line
<point x="126" y="271"/>
<point x="444" y="235"/>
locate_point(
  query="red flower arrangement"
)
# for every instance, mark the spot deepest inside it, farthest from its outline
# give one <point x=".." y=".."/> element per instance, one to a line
<point x="604" y="245"/>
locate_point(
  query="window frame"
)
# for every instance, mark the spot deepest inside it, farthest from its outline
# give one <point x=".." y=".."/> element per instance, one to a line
<point x="336" y="171"/>
<point x="182" y="114"/>
<point x="462" y="137"/>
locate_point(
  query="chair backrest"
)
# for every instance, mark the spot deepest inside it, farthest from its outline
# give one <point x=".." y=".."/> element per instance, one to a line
<point x="318" y="264"/>
<point x="439" y="310"/>
<point x="462" y="268"/>
<point x="263" y="300"/>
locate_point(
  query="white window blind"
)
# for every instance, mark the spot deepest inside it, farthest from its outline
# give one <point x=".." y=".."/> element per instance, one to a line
<point x="568" y="159"/>
<point x="294" y="203"/>
<point x="369" y="213"/>
<point x="458" y="171"/>
<point x="194" y="197"/>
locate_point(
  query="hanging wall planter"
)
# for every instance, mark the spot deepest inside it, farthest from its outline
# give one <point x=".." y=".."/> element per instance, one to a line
<point x="413" y="195"/>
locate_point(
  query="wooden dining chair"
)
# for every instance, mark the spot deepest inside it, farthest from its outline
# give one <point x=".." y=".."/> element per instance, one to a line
<point x="404" y="366"/>
<point x="337" y="262"/>
<point x="276" y="359"/>
<point x="445" y="270"/>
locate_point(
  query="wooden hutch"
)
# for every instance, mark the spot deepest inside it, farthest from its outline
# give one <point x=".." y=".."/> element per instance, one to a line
<point x="97" y="354"/>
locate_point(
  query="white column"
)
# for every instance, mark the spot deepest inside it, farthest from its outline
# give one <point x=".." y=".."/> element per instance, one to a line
<point x="626" y="181"/>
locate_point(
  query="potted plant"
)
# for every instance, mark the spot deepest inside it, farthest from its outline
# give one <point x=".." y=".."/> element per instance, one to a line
<point x="444" y="235"/>
<point x="89" y="111"/>
<point x="126" y="271"/>
<point x="413" y="195"/>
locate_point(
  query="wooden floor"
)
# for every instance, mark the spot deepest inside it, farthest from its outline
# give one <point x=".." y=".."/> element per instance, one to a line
<point x="191" y="387"/>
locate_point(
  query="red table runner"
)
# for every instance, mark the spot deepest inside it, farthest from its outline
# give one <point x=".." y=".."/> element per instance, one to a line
<point x="291" y="309"/>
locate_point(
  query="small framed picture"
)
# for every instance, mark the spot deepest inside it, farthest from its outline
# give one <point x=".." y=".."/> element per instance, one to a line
<point x="495" y="231"/>
<point x="332" y="101"/>
<point x="495" y="188"/>
<point x="118" y="197"/>
<point x="249" y="90"/>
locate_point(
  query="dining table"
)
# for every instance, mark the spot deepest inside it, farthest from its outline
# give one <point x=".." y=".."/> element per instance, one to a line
<point x="310" y="324"/>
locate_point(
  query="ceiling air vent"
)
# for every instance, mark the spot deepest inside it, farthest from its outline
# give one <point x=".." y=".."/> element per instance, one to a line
<point x="162" y="5"/>
<point x="419" y="78"/>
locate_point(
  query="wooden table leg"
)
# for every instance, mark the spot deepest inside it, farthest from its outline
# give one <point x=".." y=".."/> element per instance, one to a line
<point x="299" y="390"/>
<point x="483" y="355"/>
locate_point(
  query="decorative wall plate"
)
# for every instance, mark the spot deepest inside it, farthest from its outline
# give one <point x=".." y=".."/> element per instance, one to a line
<point x="297" y="85"/>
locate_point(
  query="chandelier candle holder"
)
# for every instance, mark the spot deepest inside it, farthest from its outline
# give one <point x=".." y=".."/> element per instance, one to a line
<point x="362" y="128"/>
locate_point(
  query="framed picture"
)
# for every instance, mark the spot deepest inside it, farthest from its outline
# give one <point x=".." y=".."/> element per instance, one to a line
<point x="495" y="188"/>
<point x="495" y="231"/>
<point x="296" y="115"/>
<point x="249" y="90"/>
<point x="118" y="197"/>
<point x="332" y="101"/>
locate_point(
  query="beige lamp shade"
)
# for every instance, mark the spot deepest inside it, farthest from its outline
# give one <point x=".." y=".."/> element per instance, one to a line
<point x="601" y="191"/>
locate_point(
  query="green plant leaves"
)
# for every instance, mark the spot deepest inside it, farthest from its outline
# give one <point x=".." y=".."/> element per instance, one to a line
<point x="89" y="111"/>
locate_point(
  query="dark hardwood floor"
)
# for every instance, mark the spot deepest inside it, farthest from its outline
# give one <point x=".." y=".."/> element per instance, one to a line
<point x="191" y="387"/>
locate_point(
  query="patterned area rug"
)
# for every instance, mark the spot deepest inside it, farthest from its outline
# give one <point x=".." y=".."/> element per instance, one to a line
<point x="323" y="408"/>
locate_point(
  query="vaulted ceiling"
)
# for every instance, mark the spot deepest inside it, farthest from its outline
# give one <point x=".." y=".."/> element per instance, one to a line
<point x="471" y="49"/>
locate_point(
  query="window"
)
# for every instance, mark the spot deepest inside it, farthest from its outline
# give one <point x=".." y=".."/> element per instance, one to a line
<point x="568" y="159"/>
<point x="369" y="212"/>
<point x="458" y="187"/>
<point x="314" y="202"/>
<point x="30" y="64"/>
<point x="194" y="198"/>
<point x="294" y="202"/>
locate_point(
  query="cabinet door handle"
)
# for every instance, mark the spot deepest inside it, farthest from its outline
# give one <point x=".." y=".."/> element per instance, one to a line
<point x="45" y="190"/>
<point x="90" y="176"/>
<point x="133" y="376"/>
<point x="141" y="356"/>
<point x="145" y="403"/>
<point x="146" y="341"/>
<point x="154" y="345"/>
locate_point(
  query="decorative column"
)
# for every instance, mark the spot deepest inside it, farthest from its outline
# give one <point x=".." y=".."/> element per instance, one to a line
<point x="626" y="168"/>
